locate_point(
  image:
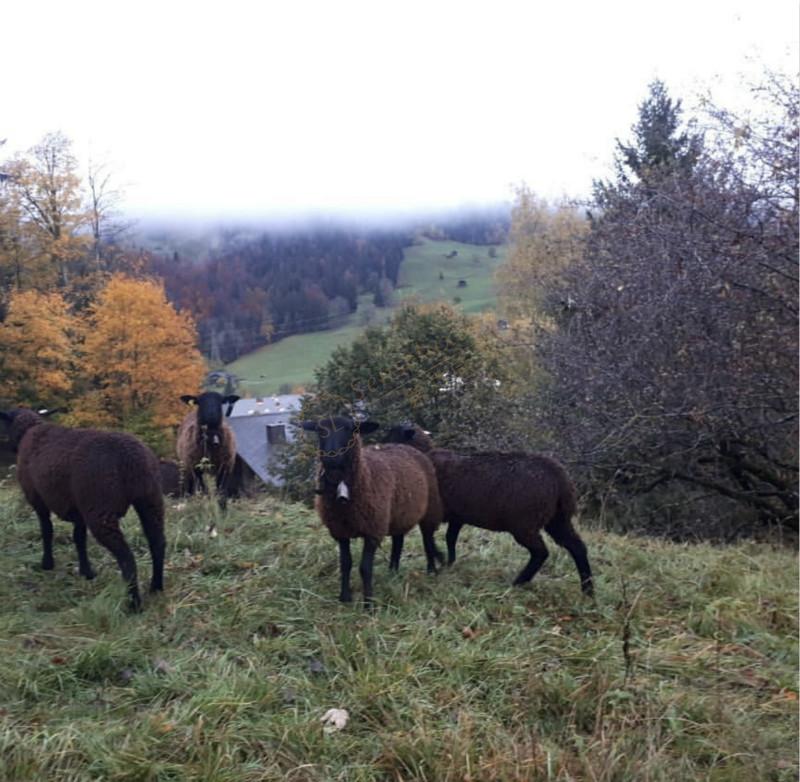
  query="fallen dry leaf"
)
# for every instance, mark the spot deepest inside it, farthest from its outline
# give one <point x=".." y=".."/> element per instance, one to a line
<point x="334" y="719"/>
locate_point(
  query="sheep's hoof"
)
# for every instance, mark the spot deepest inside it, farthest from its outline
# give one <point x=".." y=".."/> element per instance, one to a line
<point x="346" y="597"/>
<point x="48" y="564"/>
<point x="88" y="574"/>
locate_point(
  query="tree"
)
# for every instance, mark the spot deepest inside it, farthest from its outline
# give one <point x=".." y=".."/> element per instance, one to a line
<point x="105" y="221"/>
<point x="544" y="240"/>
<point x="659" y="146"/>
<point x="45" y="194"/>
<point x="675" y="378"/>
<point x="141" y="356"/>
<point x="37" y="350"/>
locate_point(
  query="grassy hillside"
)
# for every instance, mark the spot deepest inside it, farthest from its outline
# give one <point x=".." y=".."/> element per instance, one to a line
<point x="423" y="263"/>
<point x="293" y="360"/>
<point x="684" y="669"/>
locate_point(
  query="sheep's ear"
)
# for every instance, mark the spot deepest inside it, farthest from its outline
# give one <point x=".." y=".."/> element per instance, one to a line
<point x="365" y="427"/>
<point x="5" y="417"/>
<point x="309" y="426"/>
<point x="230" y="401"/>
<point x="188" y="399"/>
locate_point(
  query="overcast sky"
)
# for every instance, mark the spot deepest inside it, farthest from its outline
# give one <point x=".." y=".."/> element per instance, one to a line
<point x="268" y="107"/>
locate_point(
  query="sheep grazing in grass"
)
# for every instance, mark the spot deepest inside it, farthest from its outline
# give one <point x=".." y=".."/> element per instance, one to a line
<point x="519" y="493"/>
<point x="206" y="443"/>
<point x="370" y="493"/>
<point x="90" y="478"/>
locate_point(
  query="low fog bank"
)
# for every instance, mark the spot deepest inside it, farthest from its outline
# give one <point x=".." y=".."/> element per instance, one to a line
<point x="197" y="225"/>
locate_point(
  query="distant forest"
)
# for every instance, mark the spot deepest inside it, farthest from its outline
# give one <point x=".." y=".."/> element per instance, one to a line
<point x="255" y="289"/>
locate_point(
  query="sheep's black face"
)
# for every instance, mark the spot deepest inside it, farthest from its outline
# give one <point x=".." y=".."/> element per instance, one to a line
<point x="337" y="438"/>
<point x="209" y="410"/>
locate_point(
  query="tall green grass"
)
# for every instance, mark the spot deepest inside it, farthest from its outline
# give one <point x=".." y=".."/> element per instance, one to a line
<point x="684" y="669"/>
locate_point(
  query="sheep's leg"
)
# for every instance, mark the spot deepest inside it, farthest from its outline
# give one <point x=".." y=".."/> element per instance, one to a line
<point x="453" y="528"/>
<point x="46" y="527"/>
<point x="223" y="487"/>
<point x="200" y="481"/>
<point x="531" y="540"/>
<point x="107" y="533"/>
<point x="152" y="519"/>
<point x="430" y="548"/>
<point x="397" y="550"/>
<point x="365" y="569"/>
<point x="565" y="535"/>
<point x="345" y="565"/>
<point x="79" y="539"/>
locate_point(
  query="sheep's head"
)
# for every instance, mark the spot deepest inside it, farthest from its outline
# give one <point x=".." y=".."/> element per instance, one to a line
<point x="209" y="412"/>
<point x="20" y="420"/>
<point x="410" y="434"/>
<point x="337" y="438"/>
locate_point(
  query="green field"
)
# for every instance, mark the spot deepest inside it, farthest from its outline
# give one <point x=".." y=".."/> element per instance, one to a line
<point x="292" y="360"/>
<point x="419" y="274"/>
<point x="684" y="669"/>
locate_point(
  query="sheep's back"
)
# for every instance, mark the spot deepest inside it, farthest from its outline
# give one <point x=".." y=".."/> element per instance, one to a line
<point x="77" y="468"/>
<point x="491" y="490"/>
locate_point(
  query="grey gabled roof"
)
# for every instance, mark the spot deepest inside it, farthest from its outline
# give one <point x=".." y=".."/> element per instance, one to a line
<point x="249" y="421"/>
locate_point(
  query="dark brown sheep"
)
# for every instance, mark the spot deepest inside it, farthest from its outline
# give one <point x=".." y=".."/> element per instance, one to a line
<point x="90" y="478"/>
<point x="519" y="493"/>
<point x="370" y="493"/>
<point x="172" y="484"/>
<point x="207" y="444"/>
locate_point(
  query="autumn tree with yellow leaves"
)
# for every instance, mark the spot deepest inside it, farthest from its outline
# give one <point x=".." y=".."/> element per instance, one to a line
<point x="47" y="219"/>
<point x="140" y="355"/>
<point x="545" y="240"/>
<point x="37" y="350"/>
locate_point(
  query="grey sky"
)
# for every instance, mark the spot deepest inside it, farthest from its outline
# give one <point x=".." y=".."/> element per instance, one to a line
<point x="284" y="107"/>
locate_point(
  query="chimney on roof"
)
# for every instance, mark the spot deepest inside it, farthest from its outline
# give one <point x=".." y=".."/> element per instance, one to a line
<point x="276" y="434"/>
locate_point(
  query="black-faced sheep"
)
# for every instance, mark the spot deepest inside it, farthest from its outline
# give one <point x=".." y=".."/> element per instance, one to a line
<point x="519" y="493"/>
<point x="206" y="443"/>
<point x="371" y="493"/>
<point x="90" y="478"/>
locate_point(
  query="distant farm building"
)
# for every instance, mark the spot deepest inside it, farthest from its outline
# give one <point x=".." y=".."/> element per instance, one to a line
<point x="262" y="429"/>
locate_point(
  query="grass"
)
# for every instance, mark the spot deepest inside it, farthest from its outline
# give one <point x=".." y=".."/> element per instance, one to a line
<point x="291" y="361"/>
<point x="685" y="668"/>
<point x="423" y="263"/>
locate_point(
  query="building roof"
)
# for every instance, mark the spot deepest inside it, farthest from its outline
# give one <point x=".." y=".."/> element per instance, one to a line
<point x="263" y="405"/>
<point x="250" y="419"/>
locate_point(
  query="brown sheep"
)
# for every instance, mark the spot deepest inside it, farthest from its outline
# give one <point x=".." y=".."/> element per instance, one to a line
<point x="519" y="493"/>
<point x="90" y="478"/>
<point x="370" y="493"/>
<point x="206" y="443"/>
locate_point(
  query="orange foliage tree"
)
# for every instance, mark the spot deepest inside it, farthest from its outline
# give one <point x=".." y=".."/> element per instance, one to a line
<point x="37" y="350"/>
<point x="141" y="355"/>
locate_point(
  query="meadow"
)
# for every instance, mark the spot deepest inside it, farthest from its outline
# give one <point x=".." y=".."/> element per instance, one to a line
<point x="291" y="361"/>
<point x="685" y="668"/>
